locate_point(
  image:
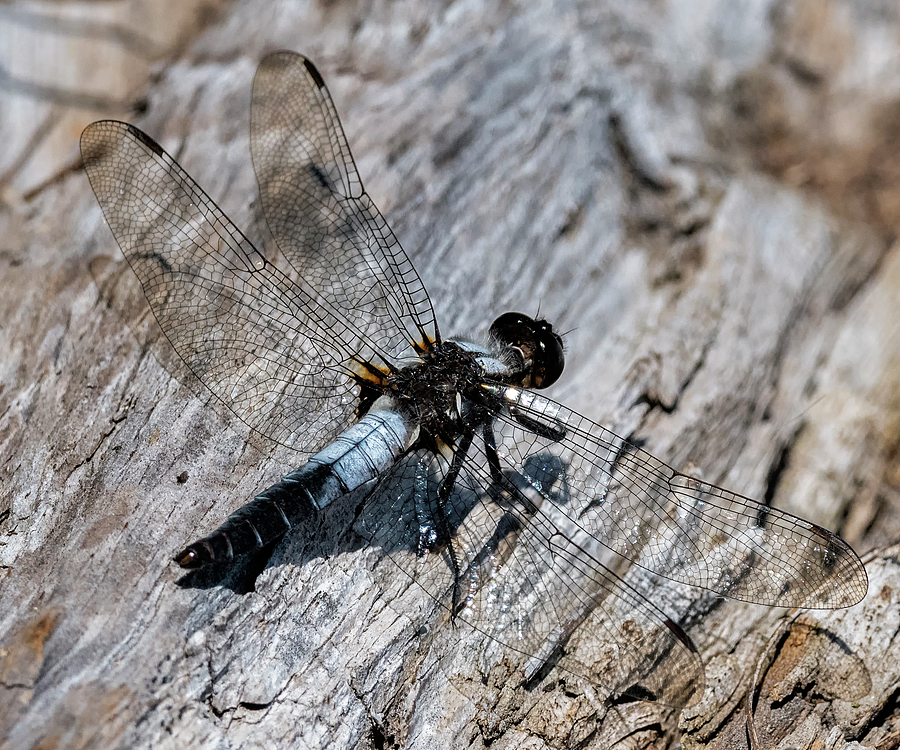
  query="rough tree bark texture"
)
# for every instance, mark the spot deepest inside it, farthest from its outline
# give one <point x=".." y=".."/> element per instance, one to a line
<point x="705" y="195"/>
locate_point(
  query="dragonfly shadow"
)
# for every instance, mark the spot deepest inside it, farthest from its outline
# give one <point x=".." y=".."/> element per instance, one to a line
<point x="485" y="557"/>
<point x="811" y="659"/>
<point x="502" y="557"/>
<point x="457" y="539"/>
<point x="402" y="520"/>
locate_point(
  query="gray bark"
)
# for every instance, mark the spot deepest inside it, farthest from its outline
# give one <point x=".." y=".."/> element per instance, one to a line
<point x="704" y="195"/>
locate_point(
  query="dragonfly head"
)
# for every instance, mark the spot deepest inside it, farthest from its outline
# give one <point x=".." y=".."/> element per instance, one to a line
<point x="540" y="347"/>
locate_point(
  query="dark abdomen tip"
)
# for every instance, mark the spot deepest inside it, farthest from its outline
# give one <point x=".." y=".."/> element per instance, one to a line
<point x="193" y="557"/>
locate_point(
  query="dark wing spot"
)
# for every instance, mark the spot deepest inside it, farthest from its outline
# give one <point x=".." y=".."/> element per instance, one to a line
<point x="141" y="136"/>
<point x="314" y="74"/>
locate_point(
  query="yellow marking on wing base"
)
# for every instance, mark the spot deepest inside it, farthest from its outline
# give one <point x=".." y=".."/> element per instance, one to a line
<point x="368" y="373"/>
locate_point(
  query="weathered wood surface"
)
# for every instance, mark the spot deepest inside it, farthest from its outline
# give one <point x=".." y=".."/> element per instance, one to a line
<point x="705" y="194"/>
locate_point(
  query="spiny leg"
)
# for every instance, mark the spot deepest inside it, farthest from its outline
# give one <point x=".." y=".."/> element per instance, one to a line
<point x="444" y="491"/>
<point x="503" y="484"/>
<point x="490" y="450"/>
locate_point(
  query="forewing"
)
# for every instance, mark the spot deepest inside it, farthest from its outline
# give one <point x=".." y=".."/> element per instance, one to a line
<point x="258" y="338"/>
<point x="324" y="223"/>
<point x="527" y="579"/>
<point x="672" y="524"/>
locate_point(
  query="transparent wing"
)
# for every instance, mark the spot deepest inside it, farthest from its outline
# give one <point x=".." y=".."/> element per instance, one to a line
<point x="263" y="340"/>
<point x="672" y="524"/>
<point x="515" y="569"/>
<point x="324" y="223"/>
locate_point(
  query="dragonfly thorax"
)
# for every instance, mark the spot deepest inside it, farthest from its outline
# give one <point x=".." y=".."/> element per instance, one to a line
<point x="432" y="390"/>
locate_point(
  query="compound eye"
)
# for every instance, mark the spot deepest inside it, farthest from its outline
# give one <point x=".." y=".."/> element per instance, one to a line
<point x="512" y="329"/>
<point x="538" y="344"/>
<point x="549" y="359"/>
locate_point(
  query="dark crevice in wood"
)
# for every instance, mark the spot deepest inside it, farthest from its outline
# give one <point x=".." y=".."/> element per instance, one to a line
<point x="250" y="706"/>
<point x="777" y="469"/>
<point x="38" y="136"/>
<point x="90" y="456"/>
<point x="81" y="28"/>
<point x="653" y="400"/>
<point x="378" y="738"/>
<point x="889" y="708"/>
<point x="73" y="167"/>
<point x="882" y="506"/>
<point x="61" y="96"/>
<point x="849" y="291"/>
<point x="626" y="152"/>
<point x="191" y="110"/>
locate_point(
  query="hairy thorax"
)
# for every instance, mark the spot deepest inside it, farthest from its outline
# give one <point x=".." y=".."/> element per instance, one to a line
<point x="432" y="391"/>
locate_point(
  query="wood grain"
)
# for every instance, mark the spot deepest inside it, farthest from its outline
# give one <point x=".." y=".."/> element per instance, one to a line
<point x="705" y="199"/>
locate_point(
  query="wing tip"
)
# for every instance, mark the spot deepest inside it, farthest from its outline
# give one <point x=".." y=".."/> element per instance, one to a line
<point x="92" y="145"/>
<point x="846" y="572"/>
<point x="282" y="59"/>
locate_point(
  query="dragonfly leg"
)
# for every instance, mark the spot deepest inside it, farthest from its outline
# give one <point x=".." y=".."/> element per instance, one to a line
<point x="444" y="491"/>
<point x="490" y="450"/>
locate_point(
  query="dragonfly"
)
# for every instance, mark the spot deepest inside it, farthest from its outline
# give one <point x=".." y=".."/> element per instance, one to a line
<point x="508" y="509"/>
